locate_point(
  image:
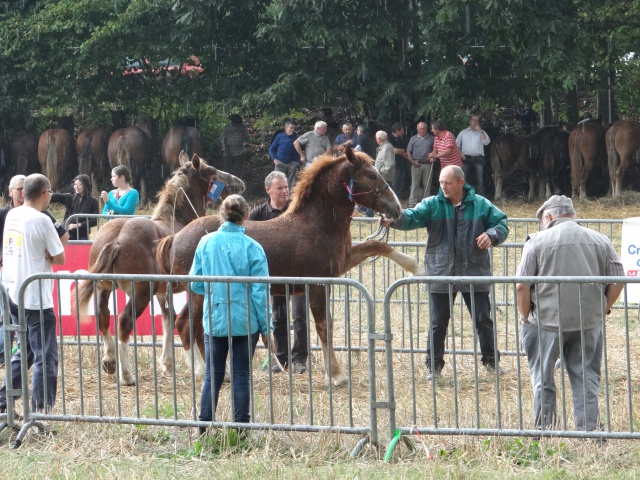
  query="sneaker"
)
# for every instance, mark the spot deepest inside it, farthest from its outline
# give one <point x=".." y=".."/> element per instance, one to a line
<point x="491" y="369"/>
<point x="299" y="368"/>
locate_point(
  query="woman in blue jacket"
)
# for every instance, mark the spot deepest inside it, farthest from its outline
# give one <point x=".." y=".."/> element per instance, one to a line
<point x="124" y="199"/>
<point x="230" y="322"/>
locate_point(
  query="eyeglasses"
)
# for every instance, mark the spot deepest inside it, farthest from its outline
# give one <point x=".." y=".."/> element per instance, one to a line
<point x="50" y="191"/>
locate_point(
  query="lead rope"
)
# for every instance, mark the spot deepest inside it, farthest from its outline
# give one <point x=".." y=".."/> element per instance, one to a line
<point x="173" y="231"/>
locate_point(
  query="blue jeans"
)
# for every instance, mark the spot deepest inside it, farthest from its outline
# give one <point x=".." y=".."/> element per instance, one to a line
<point x="2" y="359"/>
<point x="41" y="350"/>
<point x="216" y="350"/>
<point x="473" y="168"/>
<point x="440" y="313"/>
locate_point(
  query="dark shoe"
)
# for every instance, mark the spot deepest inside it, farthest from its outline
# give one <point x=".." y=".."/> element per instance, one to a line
<point x="491" y="369"/>
<point x="275" y="365"/>
<point x="202" y="431"/>
<point x="434" y="375"/>
<point x="299" y="368"/>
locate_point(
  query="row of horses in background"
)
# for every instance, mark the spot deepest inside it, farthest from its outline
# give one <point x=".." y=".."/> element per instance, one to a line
<point x="591" y="160"/>
<point x="58" y="155"/>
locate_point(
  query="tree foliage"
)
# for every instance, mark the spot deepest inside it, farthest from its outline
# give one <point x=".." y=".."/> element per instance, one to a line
<point x="387" y="60"/>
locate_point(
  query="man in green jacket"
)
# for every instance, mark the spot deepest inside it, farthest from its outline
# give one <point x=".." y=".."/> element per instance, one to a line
<point x="461" y="227"/>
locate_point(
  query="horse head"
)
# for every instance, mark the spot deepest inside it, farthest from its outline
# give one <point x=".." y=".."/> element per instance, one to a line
<point x="227" y="183"/>
<point x="368" y="188"/>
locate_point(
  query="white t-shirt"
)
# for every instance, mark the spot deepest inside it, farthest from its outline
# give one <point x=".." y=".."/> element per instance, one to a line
<point x="28" y="235"/>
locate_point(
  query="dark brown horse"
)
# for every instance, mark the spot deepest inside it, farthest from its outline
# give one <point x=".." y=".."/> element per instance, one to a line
<point x="623" y="145"/>
<point x="542" y="156"/>
<point x="57" y="156"/>
<point x="93" y="159"/>
<point x="311" y="239"/>
<point x="587" y="149"/>
<point x="133" y="147"/>
<point x="177" y="139"/>
<point x="24" y="153"/>
<point x="127" y="246"/>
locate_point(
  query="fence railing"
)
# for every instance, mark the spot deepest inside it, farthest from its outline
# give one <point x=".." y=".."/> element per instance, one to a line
<point x="466" y="400"/>
<point x="171" y="398"/>
<point x="382" y="354"/>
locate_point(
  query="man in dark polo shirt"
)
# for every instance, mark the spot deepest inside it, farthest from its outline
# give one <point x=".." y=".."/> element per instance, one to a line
<point x="278" y="190"/>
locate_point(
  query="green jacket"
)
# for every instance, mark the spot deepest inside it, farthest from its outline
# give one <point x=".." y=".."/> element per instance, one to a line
<point x="451" y="245"/>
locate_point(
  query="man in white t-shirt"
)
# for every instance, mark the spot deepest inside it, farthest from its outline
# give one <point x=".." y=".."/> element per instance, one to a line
<point x="31" y="245"/>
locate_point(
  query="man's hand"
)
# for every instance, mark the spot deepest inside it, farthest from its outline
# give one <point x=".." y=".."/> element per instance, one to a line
<point x="483" y="241"/>
<point x="265" y="341"/>
<point x="384" y="221"/>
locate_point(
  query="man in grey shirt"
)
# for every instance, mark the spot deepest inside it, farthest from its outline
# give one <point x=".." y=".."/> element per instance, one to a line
<point x="471" y="142"/>
<point x="566" y="318"/>
<point x="313" y="144"/>
<point x="418" y="149"/>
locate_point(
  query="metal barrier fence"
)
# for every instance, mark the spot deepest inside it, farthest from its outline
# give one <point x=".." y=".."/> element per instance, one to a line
<point x="466" y="400"/>
<point x="303" y="403"/>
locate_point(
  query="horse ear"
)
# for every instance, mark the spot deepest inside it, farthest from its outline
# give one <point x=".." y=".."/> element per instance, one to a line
<point x="183" y="158"/>
<point x="195" y="161"/>
<point x="352" y="157"/>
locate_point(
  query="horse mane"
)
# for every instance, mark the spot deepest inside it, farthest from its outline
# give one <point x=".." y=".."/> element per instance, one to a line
<point x="169" y="193"/>
<point x="302" y="192"/>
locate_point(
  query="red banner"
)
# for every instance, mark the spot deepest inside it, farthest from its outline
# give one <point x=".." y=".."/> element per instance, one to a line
<point x="77" y="260"/>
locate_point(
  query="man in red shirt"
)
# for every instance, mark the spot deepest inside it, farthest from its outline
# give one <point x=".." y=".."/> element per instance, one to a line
<point x="444" y="146"/>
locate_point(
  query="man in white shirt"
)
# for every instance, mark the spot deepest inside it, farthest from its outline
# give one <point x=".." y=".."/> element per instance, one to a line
<point x="31" y="245"/>
<point x="471" y="142"/>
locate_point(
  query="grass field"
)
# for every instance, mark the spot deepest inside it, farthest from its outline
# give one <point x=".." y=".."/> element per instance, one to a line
<point x="81" y="450"/>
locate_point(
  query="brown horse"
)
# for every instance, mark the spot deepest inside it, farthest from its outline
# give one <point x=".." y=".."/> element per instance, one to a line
<point x="133" y="147"/>
<point x="180" y="138"/>
<point x="311" y="239"/>
<point x="127" y="246"/>
<point x="24" y="153"/>
<point x="541" y="156"/>
<point x="57" y="157"/>
<point x="623" y="145"/>
<point x="587" y="149"/>
<point x="93" y="159"/>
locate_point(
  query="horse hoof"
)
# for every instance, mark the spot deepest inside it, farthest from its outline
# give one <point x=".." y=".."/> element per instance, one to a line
<point x="129" y="383"/>
<point x="340" y="380"/>
<point x="109" y="366"/>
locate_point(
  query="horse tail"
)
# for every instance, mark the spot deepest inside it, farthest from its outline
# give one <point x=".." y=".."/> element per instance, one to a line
<point x="163" y="253"/>
<point x="103" y="264"/>
<point x="576" y="163"/>
<point x="52" y="161"/>
<point x="186" y="143"/>
<point x="84" y="162"/>
<point x="122" y="155"/>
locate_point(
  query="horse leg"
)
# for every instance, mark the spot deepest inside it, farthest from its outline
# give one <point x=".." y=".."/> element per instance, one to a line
<point x="109" y="353"/>
<point x="125" y="325"/>
<point x="497" y="179"/>
<point x="532" y="187"/>
<point x="318" y="305"/>
<point x="167" y="334"/>
<point x="587" y="166"/>
<point x="373" y="248"/>
<point x="184" y="332"/>
<point x="625" y="160"/>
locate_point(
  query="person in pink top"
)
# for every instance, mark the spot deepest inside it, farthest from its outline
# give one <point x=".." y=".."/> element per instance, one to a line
<point x="444" y="146"/>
